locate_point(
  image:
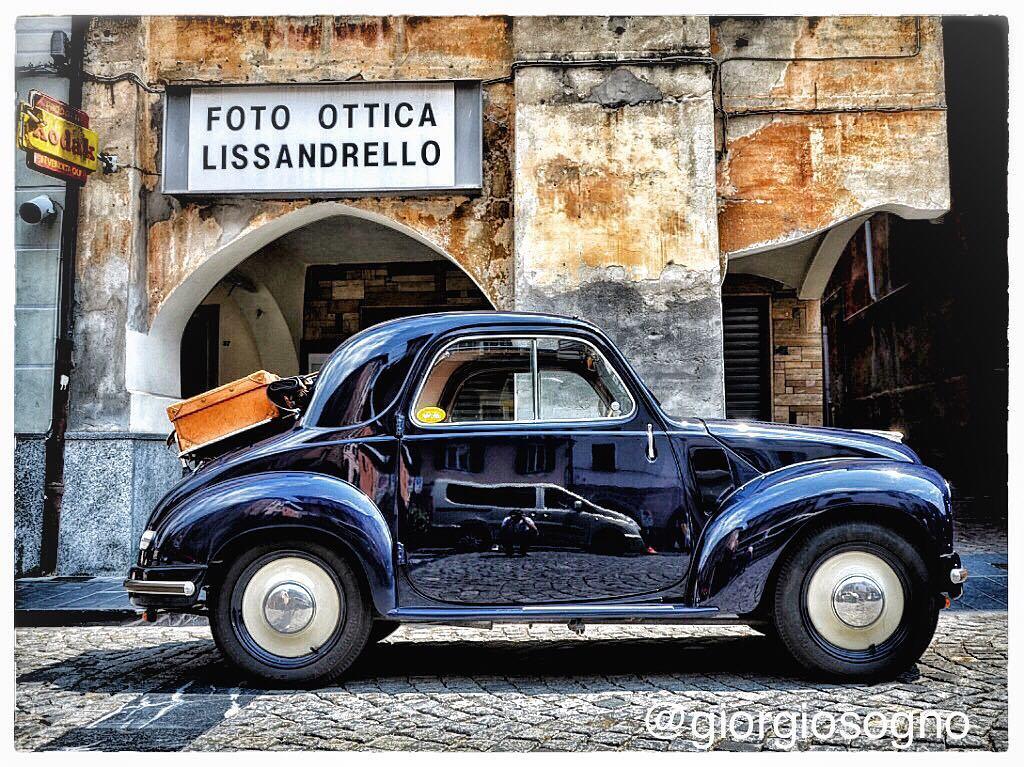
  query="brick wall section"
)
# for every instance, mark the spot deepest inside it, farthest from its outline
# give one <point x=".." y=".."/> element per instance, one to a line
<point x="797" y="391"/>
<point x="342" y="300"/>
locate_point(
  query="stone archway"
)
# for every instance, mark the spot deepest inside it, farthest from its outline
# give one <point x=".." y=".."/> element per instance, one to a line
<point x="153" y="358"/>
<point x="806" y="261"/>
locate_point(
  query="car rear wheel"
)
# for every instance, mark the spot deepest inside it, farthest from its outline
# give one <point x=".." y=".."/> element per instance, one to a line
<point x="292" y="613"/>
<point x="853" y="602"/>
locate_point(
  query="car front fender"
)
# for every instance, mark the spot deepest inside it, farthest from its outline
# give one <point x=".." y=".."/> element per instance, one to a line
<point x="280" y="503"/>
<point x="742" y="542"/>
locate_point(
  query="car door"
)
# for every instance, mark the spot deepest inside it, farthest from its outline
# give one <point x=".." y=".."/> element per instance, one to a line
<point x="536" y="411"/>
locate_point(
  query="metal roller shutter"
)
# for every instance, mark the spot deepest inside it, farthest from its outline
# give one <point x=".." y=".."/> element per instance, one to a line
<point x="747" y="357"/>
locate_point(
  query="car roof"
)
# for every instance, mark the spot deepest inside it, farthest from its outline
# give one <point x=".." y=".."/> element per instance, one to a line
<point x="399" y="338"/>
<point x="441" y="322"/>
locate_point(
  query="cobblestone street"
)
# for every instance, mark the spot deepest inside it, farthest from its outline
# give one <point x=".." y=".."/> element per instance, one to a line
<point x="513" y="688"/>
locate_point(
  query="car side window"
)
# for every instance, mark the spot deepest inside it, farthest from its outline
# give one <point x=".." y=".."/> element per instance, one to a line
<point x="478" y="380"/>
<point x="500" y="380"/>
<point x="556" y="498"/>
<point x="577" y="384"/>
<point x="497" y="496"/>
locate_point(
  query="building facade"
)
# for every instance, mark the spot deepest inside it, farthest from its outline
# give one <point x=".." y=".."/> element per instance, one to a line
<point x="688" y="183"/>
<point x="37" y="258"/>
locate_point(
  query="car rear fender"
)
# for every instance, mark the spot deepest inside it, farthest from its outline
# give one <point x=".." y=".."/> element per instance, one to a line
<point x="206" y="527"/>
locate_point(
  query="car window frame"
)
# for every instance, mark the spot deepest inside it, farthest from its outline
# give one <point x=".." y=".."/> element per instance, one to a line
<point x="535" y="371"/>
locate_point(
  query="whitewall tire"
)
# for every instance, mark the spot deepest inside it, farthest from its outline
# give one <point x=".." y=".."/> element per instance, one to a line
<point x="853" y="601"/>
<point x="291" y="613"/>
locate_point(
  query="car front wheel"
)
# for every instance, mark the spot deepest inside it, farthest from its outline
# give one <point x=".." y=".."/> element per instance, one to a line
<point x="853" y="602"/>
<point x="292" y="613"/>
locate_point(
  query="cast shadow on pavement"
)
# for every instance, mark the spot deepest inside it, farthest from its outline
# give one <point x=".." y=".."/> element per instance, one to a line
<point x="674" y="664"/>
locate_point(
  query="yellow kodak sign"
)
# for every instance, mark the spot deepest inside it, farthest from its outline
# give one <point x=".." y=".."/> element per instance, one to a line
<point x="49" y="134"/>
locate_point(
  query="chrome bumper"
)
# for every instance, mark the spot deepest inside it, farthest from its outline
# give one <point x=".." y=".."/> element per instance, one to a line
<point x="162" y="588"/>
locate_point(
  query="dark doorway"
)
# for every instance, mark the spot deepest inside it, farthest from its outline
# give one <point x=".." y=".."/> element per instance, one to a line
<point x="915" y="314"/>
<point x="200" y="351"/>
<point x="747" y="342"/>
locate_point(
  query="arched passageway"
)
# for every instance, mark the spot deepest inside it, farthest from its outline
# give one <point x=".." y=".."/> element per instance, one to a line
<point x="282" y="297"/>
<point x="772" y="300"/>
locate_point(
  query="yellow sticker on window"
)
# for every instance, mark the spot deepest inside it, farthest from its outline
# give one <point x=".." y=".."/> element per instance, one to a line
<point x="430" y="414"/>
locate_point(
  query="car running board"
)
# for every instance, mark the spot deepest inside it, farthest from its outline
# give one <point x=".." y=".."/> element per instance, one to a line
<point x="639" y="613"/>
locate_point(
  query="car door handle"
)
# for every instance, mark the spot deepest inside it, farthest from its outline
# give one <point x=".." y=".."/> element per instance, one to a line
<point x="651" y="455"/>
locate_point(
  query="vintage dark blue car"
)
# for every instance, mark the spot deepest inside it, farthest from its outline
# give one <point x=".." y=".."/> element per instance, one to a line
<point x="502" y="467"/>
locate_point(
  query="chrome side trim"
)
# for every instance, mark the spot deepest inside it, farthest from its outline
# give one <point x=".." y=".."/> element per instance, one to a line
<point x="165" y="588"/>
<point x="592" y="613"/>
<point x="890" y="434"/>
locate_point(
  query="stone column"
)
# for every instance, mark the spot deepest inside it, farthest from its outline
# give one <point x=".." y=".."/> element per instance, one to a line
<point x="112" y="475"/>
<point x="615" y="207"/>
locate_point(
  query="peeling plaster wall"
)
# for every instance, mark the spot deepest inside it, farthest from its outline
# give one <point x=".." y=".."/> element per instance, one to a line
<point x="111" y="241"/>
<point x="146" y="244"/>
<point x="474" y="231"/>
<point x="876" y="137"/>
<point x="137" y="246"/>
<point x="615" y="198"/>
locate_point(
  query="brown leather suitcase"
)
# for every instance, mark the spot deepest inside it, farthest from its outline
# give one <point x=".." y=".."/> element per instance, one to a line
<point x="223" y="412"/>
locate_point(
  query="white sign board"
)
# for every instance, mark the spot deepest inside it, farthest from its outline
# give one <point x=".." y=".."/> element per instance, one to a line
<point x="357" y="137"/>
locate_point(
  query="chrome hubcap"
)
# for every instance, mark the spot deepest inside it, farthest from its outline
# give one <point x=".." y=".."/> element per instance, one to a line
<point x="858" y="601"/>
<point x="855" y="600"/>
<point x="289" y="608"/>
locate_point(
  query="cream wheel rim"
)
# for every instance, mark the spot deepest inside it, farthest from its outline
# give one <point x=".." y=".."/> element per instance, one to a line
<point x="291" y="607"/>
<point x="855" y="600"/>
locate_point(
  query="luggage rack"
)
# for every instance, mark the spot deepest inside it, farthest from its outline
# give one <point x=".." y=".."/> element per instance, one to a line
<point x="286" y="399"/>
<point x="195" y="456"/>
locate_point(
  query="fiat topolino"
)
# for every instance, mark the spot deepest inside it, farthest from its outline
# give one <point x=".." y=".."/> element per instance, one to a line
<point x="316" y="540"/>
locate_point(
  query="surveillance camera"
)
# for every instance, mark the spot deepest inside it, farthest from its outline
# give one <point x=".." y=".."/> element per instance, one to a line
<point x="59" y="43"/>
<point x="37" y="210"/>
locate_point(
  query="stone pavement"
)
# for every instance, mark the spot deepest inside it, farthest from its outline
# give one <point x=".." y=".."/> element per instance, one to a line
<point x="513" y="688"/>
<point x="71" y="600"/>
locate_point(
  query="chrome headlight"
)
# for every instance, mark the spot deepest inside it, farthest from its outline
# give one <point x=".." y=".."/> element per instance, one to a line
<point x="147" y="538"/>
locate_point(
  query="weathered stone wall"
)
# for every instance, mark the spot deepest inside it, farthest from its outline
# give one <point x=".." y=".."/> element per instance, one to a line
<point x="111" y="239"/>
<point x="616" y="200"/>
<point x="624" y="213"/>
<point x="615" y="197"/>
<point x="29" y="473"/>
<point x="797" y="371"/>
<point x="849" y="118"/>
<point x="137" y="245"/>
